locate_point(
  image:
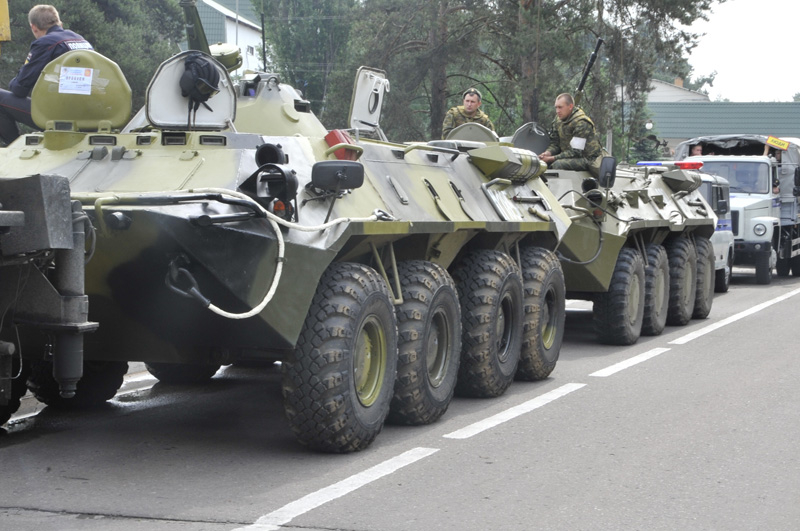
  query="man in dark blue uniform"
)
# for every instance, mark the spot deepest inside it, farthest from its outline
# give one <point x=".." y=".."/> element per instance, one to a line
<point x="51" y="41"/>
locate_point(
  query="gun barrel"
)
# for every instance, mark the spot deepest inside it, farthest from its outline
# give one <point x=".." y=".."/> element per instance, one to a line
<point x="589" y="65"/>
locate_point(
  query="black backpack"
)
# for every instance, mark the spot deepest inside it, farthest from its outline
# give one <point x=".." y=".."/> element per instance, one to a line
<point x="199" y="82"/>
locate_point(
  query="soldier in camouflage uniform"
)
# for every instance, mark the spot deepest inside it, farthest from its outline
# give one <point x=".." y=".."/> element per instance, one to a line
<point x="469" y="112"/>
<point x="573" y="141"/>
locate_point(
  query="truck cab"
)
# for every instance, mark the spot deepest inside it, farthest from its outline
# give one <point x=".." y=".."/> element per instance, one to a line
<point x="765" y="218"/>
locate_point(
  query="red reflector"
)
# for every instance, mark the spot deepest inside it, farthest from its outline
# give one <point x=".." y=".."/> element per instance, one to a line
<point x="695" y="165"/>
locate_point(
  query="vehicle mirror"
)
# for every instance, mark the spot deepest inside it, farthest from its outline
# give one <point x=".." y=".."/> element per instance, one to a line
<point x="608" y="172"/>
<point x="722" y="206"/>
<point x="797" y="176"/>
<point x="335" y="175"/>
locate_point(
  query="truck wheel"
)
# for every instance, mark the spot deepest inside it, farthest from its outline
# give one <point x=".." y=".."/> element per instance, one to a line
<point x="782" y="267"/>
<point x="619" y="312"/>
<point x="429" y="344"/>
<point x="656" y="291"/>
<point x="763" y="269"/>
<point x="490" y="293"/>
<point x="795" y="262"/>
<point x="339" y="381"/>
<point x="722" y="281"/>
<point x="704" y="298"/>
<point x="544" y="306"/>
<point x="100" y="382"/>
<point x="182" y="373"/>
<point x="18" y="389"/>
<point x="682" y="280"/>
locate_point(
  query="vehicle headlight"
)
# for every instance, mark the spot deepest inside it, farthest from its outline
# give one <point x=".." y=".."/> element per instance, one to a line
<point x="760" y="229"/>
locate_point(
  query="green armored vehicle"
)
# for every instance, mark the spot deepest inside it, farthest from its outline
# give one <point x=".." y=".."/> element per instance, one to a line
<point x="231" y="226"/>
<point x="645" y="257"/>
<point x="639" y="244"/>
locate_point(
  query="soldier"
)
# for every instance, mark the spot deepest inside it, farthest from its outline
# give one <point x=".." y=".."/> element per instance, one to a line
<point x="469" y="112"/>
<point x="51" y="41"/>
<point x="573" y="141"/>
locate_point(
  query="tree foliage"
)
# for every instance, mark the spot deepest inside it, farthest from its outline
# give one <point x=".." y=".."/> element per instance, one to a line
<point x="307" y="38"/>
<point x="519" y="53"/>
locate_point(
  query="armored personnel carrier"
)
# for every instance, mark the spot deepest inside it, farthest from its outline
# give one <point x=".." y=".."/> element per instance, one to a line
<point x="639" y="243"/>
<point x="229" y="225"/>
<point x="645" y="259"/>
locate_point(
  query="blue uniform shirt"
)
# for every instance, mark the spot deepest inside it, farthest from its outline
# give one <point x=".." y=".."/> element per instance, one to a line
<point x="57" y="41"/>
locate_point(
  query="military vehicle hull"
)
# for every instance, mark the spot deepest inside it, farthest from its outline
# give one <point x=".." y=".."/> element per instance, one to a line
<point x="638" y="249"/>
<point x="383" y="276"/>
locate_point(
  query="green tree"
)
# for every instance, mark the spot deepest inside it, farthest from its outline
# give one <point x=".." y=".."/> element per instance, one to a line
<point x="306" y="39"/>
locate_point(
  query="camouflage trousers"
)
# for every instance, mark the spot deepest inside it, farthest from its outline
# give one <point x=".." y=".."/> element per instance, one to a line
<point x="577" y="164"/>
<point x="580" y="164"/>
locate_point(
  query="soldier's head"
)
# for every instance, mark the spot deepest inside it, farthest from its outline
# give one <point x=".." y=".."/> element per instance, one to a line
<point x="42" y="17"/>
<point x="472" y="101"/>
<point x="564" y="106"/>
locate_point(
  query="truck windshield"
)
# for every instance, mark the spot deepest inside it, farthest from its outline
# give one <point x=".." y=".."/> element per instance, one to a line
<point x="748" y="177"/>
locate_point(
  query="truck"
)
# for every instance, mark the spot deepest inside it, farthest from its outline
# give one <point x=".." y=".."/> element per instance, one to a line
<point x="764" y="179"/>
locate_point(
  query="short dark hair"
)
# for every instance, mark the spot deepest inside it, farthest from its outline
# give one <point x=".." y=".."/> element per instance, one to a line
<point x="472" y="92"/>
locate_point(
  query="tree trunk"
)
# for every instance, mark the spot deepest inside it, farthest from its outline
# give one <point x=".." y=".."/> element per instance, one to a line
<point x="438" y="72"/>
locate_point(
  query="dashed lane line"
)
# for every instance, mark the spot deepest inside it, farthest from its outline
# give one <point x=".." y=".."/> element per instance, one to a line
<point x="514" y="412"/>
<point x="630" y="362"/>
<point x="290" y="511"/>
<point x="732" y="319"/>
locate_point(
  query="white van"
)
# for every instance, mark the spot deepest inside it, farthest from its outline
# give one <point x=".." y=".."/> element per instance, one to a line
<point x="716" y="192"/>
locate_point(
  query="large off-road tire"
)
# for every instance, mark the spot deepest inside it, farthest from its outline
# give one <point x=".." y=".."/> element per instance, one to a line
<point x="722" y="280"/>
<point x="429" y="344"/>
<point x="619" y="312"/>
<point x="704" y="297"/>
<point x="682" y="280"/>
<point x="656" y="291"/>
<point x="18" y="389"/>
<point x="100" y="382"/>
<point x="182" y="373"/>
<point x="339" y="381"/>
<point x="490" y="293"/>
<point x="763" y="269"/>
<point x="544" y="313"/>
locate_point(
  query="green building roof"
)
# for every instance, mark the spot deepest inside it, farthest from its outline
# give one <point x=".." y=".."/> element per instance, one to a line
<point x="691" y="119"/>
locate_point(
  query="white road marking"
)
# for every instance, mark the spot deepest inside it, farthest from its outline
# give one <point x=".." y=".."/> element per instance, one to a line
<point x="630" y="362"/>
<point x="511" y="413"/>
<point x="287" y="513"/>
<point x="732" y="319"/>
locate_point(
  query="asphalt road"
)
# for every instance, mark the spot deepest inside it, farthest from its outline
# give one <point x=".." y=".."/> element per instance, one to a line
<point x="693" y="429"/>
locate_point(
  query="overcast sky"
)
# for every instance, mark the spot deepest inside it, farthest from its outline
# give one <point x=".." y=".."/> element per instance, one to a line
<point x="753" y="46"/>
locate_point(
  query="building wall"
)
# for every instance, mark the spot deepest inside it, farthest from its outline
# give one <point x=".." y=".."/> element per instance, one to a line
<point x="248" y="39"/>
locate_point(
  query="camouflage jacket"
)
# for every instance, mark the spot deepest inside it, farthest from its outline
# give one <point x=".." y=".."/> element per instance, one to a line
<point x="577" y="126"/>
<point x="456" y="117"/>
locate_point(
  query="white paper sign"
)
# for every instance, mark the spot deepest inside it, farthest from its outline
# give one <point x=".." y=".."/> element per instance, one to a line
<point x="75" y="80"/>
<point x="577" y="143"/>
